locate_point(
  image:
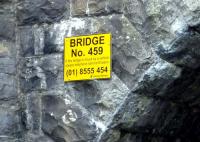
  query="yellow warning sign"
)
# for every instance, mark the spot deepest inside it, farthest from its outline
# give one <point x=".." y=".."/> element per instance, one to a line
<point x="87" y="57"/>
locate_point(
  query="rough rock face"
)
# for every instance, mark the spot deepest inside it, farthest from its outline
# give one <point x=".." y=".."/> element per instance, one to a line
<point x="153" y="95"/>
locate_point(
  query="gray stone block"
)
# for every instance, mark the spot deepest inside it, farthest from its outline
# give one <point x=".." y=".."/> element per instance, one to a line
<point x="66" y="122"/>
<point x="95" y="7"/>
<point x="41" y="73"/>
<point x="8" y="89"/>
<point x="7" y="28"/>
<point x="9" y="122"/>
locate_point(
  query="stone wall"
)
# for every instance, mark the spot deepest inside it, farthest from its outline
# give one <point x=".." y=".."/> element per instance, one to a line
<point x="153" y="93"/>
<point x="10" y="104"/>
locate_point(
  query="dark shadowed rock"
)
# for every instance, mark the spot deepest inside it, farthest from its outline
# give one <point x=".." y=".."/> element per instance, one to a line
<point x="184" y="89"/>
<point x="31" y="12"/>
<point x="157" y="78"/>
<point x="33" y="40"/>
<point x="146" y="138"/>
<point x="184" y="51"/>
<point x="144" y="115"/>
<point x="26" y="41"/>
<point x="7" y="28"/>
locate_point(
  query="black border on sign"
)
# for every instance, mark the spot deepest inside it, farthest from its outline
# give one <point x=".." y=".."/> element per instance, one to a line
<point x="93" y="78"/>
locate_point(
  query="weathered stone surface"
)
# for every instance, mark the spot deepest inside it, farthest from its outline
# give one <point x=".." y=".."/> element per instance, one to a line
<point x="4" y="51"/>
<point x="31" y="12"/>
<point x="42" y="73"/>
<point x="113" y="6"/>
<point x="31" y="40"/>
<point x="164" y="119"/>
<point x="110" y="135"/>
<point x="147" y="99"/>
<point x="157" y="78"/>
<point x="79" y="7"/>
<point x="144" y="115"/>
<point x="146" y="138"/>
<point x="170" y="82"/>
<point x="7" y="65"/>
<point x="9" y="139"/>
<point x="109" y="94"/>
<point x="130" y="51"/>
<point x="37" y="138"/>
<point x="66" y="122"/>
<point x="184" y="51"/>
<point x="95" y="7"/>
<point x="100" y="98"/>
<point x="9" y="122"/>
<point x="7" y="28"/>
<point x="166" y="27"/>
<point x="8" y="88"/>
<point x="10" y="119"/>
<point x="7" y="8"/>
<point x="134" y="10"/>
<point x="33" y="113"/>
<point x="129" y="57"/>
<point x="8" y="49"/>
<point x="179" y="89"/>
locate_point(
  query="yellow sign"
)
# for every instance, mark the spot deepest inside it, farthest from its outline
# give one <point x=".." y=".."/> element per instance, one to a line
<point x="87" y="57"/>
